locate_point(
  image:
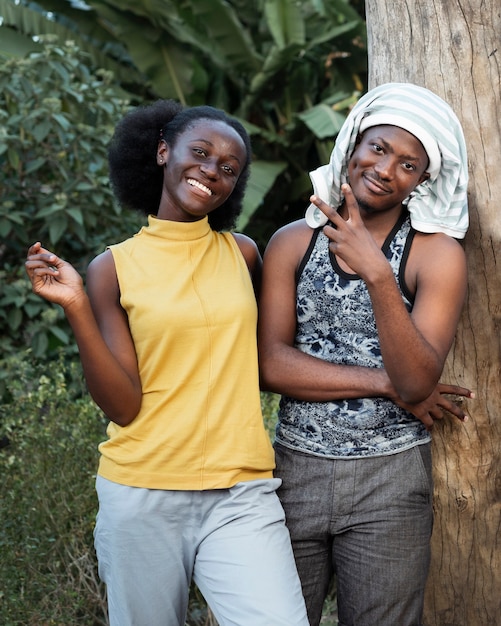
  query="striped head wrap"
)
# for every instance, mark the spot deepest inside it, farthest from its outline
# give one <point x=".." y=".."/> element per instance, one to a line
<point x="439" y="204"/>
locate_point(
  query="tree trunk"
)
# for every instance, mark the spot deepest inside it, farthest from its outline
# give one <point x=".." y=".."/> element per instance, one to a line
<point x="454" y="49"/>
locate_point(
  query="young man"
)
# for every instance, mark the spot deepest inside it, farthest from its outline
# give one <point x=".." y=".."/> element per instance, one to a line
<point x="357" y="318"/>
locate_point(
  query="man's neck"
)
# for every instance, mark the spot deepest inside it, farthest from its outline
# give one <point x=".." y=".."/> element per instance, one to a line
<point x="378" y="223"/>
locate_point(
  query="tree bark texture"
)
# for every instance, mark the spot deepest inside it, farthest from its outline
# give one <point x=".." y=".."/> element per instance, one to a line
<point x="453" y="47"/>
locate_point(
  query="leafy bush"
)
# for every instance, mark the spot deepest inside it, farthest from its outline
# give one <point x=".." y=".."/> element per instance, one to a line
<point x="50" y="430"/>
<point x="56" y="119"/>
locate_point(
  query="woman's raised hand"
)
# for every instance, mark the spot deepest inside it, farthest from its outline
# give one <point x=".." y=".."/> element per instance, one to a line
<point x="52" y="278"/>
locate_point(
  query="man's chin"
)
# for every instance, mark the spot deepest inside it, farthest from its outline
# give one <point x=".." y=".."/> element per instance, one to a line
<point x="365" y="207"/>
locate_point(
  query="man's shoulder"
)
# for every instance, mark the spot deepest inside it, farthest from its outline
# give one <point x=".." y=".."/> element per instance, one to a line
<point x="438" y="241"/>
<point x="438" y="253"/>
<point x="297" y="230"/>
<point x="290" y="241"/>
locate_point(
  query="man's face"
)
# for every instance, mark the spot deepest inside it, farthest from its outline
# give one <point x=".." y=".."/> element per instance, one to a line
<point x="385" y="167"/>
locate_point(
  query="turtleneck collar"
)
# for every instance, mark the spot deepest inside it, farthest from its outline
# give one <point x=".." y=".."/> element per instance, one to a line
<point x="177" y="231"/>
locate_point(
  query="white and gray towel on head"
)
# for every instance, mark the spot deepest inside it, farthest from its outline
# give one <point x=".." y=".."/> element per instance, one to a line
<point x="437" y="205"/>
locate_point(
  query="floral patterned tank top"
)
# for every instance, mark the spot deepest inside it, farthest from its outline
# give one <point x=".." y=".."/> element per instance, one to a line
<point x="336" y="323"/>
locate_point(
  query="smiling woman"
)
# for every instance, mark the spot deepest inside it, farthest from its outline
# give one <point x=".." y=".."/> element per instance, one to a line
<point x="138" y="179"/>
<point x="201" y="172"/>
<point x="167" y="338"/>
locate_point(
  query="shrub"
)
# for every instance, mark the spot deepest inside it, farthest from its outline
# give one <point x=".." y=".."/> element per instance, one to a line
<point x="56" y="118"/>
<point x="50" y="431"/>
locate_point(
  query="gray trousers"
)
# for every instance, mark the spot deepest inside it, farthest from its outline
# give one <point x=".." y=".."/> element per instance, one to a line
<point x="232" y="542"/>
<point x="369" y="522"/>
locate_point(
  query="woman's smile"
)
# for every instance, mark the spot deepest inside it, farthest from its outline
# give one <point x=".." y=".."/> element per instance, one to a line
<point x="199" y="185"/>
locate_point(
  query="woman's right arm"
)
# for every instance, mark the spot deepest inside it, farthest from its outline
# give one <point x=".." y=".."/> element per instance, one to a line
<point x="100" y="327"/>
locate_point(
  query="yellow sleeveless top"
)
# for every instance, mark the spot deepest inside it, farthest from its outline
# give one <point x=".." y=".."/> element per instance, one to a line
<point x="192" y="313"/>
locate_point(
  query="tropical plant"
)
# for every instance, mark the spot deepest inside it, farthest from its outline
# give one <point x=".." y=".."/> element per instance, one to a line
<point x="56" y="117"/>
<point x="288" y="69"/>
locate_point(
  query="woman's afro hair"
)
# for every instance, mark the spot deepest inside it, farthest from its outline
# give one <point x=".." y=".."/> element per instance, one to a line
<point x="135" y="176"/>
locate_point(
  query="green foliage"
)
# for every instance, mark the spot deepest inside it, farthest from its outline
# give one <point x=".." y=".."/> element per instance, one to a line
<point x="27" y="319"/>
<point x="269" y="405"/>
<point x="288" y="69"/>
<point x="24" y="22"/>
<point x="50" y="430"/>
<point x="56" y="119"/>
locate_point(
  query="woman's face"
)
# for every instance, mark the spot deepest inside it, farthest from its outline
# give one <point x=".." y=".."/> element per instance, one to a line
<point x="200" y="170"/>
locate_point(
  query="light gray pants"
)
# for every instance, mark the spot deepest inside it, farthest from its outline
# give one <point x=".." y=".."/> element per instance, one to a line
<point x="232" y="542"/>
<point x="369" y="521"/>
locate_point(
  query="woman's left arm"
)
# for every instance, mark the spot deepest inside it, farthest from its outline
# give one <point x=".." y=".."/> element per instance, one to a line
<point x="253" y="259"/>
